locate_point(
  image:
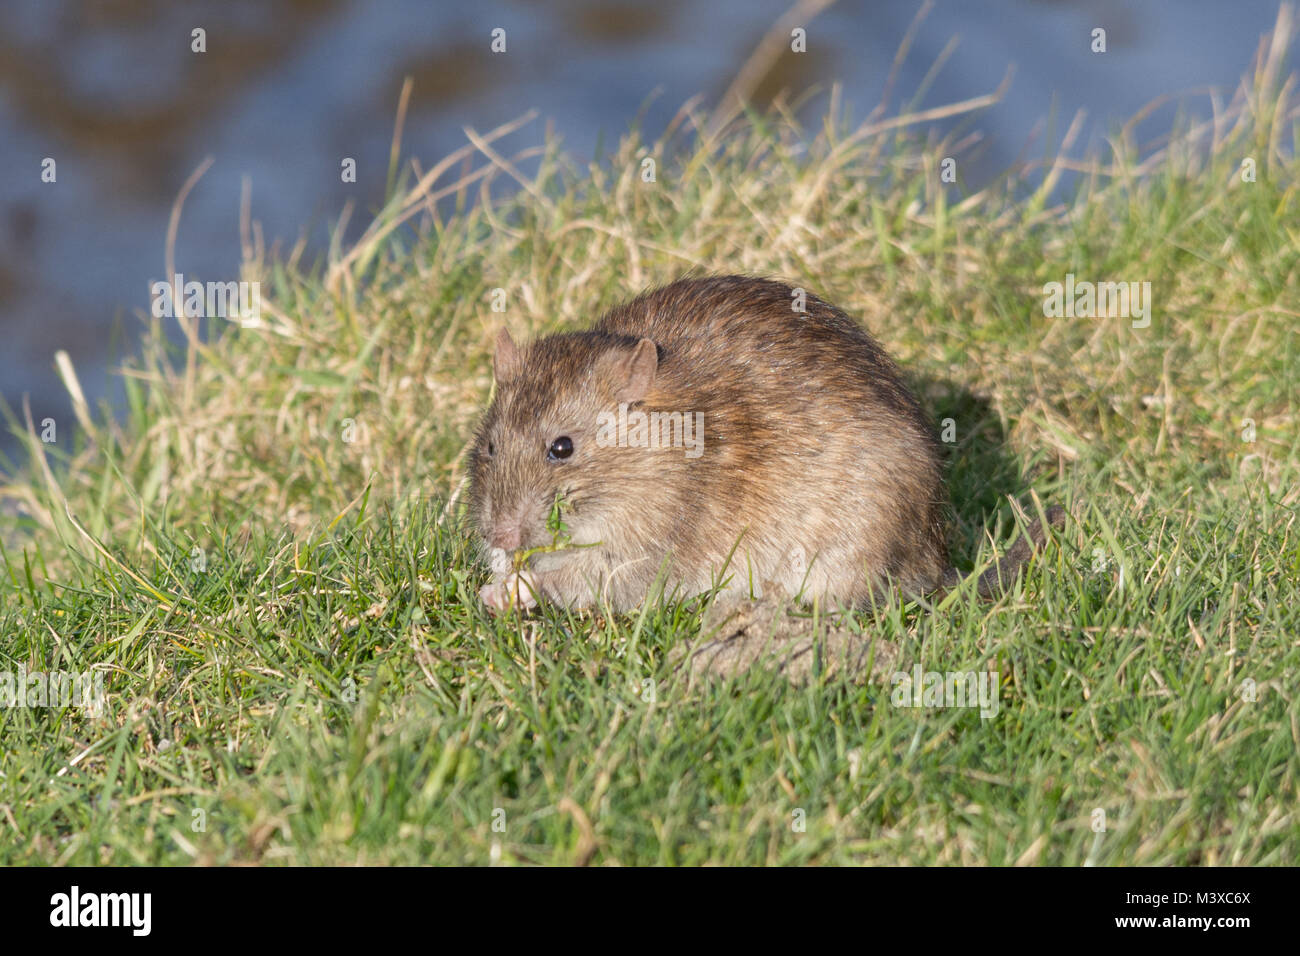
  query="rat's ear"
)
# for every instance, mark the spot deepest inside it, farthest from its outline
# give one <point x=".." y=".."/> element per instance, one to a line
<point x="634" y="373"/>
<point x="506" y="361"/>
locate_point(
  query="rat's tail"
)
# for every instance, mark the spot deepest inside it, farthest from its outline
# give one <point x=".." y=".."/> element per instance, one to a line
<point x="994" y="582"/>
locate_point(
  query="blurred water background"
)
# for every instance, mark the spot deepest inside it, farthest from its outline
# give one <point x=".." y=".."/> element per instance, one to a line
<point x="287" y="88"/>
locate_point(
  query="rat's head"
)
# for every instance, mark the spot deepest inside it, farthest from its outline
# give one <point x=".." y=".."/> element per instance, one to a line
<point x="538" y="442"/>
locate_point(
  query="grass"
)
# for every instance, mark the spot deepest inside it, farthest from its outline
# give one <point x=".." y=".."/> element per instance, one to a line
<point x="265" y="556"/>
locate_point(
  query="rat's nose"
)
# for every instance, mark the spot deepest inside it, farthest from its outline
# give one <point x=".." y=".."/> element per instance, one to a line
<point x="505" y="535"/>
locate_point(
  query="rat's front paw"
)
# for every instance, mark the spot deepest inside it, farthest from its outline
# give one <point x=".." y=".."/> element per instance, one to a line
<point x="519" y="590"/>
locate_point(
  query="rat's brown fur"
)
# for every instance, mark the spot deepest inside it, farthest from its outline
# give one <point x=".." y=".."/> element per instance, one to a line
<point x="819" y="473"/>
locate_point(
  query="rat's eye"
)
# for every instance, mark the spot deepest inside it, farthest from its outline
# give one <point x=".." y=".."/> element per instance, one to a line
<point x="560" y="449"/>
<point x="491" y="448"/>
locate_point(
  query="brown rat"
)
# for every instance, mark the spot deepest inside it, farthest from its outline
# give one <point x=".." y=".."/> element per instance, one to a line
<point x="703" y="426"/>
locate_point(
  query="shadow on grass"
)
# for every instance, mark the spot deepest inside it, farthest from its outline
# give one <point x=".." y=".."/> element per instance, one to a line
<point x="980" y="472"/>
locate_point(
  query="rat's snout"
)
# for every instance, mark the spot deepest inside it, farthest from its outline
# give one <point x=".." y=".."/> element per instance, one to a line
<point x="506" y="535"/>
<point x="505" y="528"/>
